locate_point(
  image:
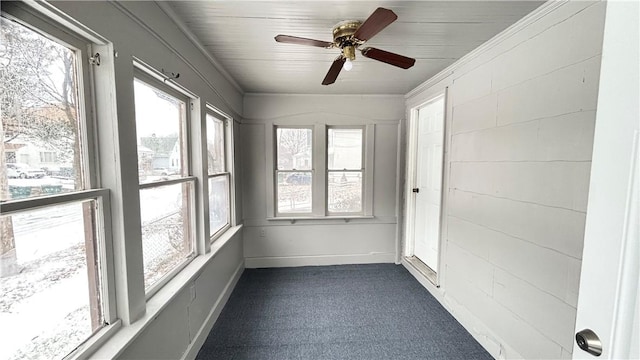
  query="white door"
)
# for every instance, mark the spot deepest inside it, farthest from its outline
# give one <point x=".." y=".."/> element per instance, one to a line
<point x="428" y="183"/>
<point x="608" y="302"/>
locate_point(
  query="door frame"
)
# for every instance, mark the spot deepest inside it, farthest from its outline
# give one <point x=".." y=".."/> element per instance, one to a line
<point x="411" y="178"/>
<point x="607" y="298"/>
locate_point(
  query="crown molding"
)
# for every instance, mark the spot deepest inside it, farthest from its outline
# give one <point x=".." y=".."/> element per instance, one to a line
<point x="166" y="8"/>
<point x="324" y="95"/>
<point x="177" y="53"/>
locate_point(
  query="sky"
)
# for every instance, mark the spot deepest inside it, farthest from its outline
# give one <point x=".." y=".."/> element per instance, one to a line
<point x="154" y="114"/>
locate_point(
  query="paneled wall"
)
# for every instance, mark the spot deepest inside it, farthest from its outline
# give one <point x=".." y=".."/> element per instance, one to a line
<point x="269" y="242"/>
<point x="521" y="115"/>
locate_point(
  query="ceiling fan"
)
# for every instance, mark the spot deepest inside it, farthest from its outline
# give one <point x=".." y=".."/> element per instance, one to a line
<point x="349" y="36"/>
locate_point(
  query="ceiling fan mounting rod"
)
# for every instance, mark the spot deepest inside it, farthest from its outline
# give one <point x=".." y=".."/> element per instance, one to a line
<point x="349" y="52"/>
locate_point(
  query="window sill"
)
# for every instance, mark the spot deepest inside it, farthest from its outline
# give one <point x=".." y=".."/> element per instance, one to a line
<point x="346" y="218"/>
<point x="124" y="335"/>
<point x="98" y="339"/>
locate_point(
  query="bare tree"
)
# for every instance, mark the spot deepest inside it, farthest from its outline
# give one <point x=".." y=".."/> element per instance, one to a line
<point x="38" y="104"/>
<point x="293" y="142"/>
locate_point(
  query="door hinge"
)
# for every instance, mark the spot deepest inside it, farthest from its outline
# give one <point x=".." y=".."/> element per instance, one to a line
<point x="416" y="190"/>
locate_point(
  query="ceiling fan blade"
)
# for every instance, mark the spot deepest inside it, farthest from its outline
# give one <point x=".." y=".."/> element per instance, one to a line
<point x="334" y="70"/>
<point x="380" y="19"/>
<point x="303" y="41"/>
<point x="388" y="57"/>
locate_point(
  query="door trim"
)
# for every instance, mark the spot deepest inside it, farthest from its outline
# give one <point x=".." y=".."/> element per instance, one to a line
<point x="411" y="177"/>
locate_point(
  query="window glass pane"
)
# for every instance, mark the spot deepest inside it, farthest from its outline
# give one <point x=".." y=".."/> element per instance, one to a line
<point x="345" y="191"/>
<point x="294" y="149"/>
<point x="49" y="282"/>
<point x="39" y="153"/>
<point x="218" y="203"/>
<point x="215" y="145"/>
<point x="344" y="149"/>
<point x="159" y="122"/>
<point x="166" y="222"/>
<point x="294" y="192"/>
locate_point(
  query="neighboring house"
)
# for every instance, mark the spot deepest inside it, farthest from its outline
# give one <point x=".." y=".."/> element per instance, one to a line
<point x="51" y="149"/>
<point x="174" y="156"/>
<point x="145" y="162"/>
<point x="302" y="160"/>
<point x="163" y="151"/>
<point x="18" y="151"/>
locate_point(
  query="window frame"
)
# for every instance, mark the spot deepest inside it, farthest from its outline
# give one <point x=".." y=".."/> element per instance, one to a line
<point x="46" y="21"/>
<point x="227" y="123"/>
<point x="361" y="170"/>
<point x="151" y="78"/>
<point x="319" y="168"/>
<point x="277" y="171"/>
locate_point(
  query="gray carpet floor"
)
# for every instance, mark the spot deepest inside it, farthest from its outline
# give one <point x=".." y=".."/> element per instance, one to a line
<point x="367" y="312"/>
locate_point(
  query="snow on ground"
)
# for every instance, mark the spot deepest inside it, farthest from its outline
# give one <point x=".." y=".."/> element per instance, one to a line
<point x="44" y="309"/>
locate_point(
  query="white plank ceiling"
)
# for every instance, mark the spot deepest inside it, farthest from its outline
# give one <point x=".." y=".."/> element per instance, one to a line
<point x="239" y="36"/>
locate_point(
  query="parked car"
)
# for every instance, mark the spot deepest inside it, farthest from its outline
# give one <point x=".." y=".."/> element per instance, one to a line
<point x="12" y="173"/>
<point x="164" y="171"/>
<point x="299" y="179"/>
<point x="25" y="171"/>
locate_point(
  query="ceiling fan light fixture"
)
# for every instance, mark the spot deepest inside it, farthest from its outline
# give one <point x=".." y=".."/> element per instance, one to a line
<point x="348" y="65"/>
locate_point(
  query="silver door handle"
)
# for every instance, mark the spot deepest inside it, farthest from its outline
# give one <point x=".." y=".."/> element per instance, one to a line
<point x="590" y="342"/>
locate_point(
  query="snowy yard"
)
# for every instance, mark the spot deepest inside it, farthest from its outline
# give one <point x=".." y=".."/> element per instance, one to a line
<point x="44" y="308"/>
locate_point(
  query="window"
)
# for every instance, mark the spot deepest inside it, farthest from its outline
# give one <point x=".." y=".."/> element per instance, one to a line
<point x="294" y="172"/>
<point x="47" y="157"/>
<point x="344" y="170"/>
<point x="53" y="250"/>
<point x="321" y="171"/>
<point x="166" y="189"/>
<point x="218" y="174"/>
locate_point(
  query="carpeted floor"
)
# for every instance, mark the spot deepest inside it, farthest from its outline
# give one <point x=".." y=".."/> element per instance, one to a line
<point x="367" y="312"/>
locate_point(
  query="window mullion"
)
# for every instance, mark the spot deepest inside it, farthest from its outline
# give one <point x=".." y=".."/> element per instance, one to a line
<point x="319" y="173"/>
<point x="367" y="173"/>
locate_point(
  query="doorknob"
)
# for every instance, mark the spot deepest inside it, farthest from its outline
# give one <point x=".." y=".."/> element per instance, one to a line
<point x="588" y="341"/>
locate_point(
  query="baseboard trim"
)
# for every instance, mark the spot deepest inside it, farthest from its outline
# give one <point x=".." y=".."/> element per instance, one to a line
<point x="201" y="336"/>
<point x="485" y="336"/>
<point x="318" y="260"/>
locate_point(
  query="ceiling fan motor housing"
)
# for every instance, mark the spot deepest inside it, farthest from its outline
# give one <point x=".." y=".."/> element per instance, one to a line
<point x="343" y="37"/>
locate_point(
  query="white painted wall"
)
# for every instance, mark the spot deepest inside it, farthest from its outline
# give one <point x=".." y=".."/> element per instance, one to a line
<point x="520" y="121"/>
<point x="174" y="322"/>
<point x="322" y="241"/>
<point x="521" y="113"/>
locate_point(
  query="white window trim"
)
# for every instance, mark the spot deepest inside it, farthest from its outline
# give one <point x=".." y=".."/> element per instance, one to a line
<point x="319" y="170"/>
<point x="229" y="166"/>
<point x="362" y="170"/>
<point x="49" y="21"/>
<point x="124" y="276"/>
<point x="104" y="242"/>
<point x="314" y="170"/>
<point x="150" y="77"/>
